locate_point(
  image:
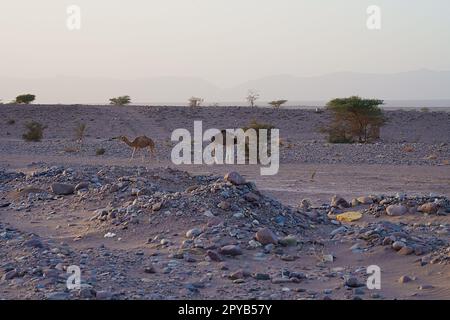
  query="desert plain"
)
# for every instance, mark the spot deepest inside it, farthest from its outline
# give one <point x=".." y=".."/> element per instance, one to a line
<point x="148" y="229"/>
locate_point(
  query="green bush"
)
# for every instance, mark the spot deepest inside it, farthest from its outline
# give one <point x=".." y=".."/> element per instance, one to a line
<point x="35" y="131"/>
<point x="25" y="99"/>
<point x="120" y="101"/>
<point x="354" y="120"/>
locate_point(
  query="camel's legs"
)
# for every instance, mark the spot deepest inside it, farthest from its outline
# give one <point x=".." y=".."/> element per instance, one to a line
<point x="132" y="155"/>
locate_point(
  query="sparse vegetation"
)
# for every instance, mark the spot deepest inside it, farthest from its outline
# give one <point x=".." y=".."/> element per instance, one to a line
<point x="354" y="120"/>
<point x="35" y="131"/>
<point x="120" y="101"/>
<point x="424" y="109"/>
<point x="25" y="99"/>
<point x="257" y="126"/>
<point x="277" y="103"/>
<point x="80" y="131"/>
<point x="251" y="98"/>
<point x="195" y="102"/>
<point x="11" y="122"/>
<point x="100" y="151"/>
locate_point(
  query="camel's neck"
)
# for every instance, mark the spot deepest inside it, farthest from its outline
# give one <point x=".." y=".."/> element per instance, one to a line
<point x="128" y="142"/>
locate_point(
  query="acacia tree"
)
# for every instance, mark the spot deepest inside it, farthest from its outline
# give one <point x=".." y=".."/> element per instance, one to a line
<point x="277" y="103"/>
<point x="355" y="118"/>
<point x="195" y="102"/>
<point x="25" y="99"/>
<point x="252" y="96"/>
<point x="120" y="101"/>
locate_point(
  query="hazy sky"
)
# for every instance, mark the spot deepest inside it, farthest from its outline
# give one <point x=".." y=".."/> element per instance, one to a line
<point x="223" y="41"/>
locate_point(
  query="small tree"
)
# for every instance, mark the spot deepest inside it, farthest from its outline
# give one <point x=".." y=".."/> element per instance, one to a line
<point x="252" y="96"/>
<point x="277" y="103"/>
<point x="355" y="119"/>
<point x="195" y="102"/>
<point x="120" y="101"/>
<point x="25" y="99"/>
<point x="35" y="131"/>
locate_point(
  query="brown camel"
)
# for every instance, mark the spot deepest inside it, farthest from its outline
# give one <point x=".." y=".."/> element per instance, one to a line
<point x="141" y="142"/>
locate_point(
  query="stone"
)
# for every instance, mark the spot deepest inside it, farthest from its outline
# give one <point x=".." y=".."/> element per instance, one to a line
<point x="109" y="235"/>
<point x="157" y="206"/>
<point x="214" y="256"/>
<point x="397" y="245"/>
<point x="396" y="210"/>
<point x="406" y="250"/>
<point x="86" y="293"/>
<point x="231" y="250"/>
<point x="239" y="274"/>
<point x="266" y="236"/>
<point x="234" y="178"/>
<point x="57" y="296"/>
<point x="425" y="287"/>
<point x="62" y="189"/>
<point x="428" y="208"/>
<point x="150" y="269"/>
<point x="10" y="275"/>
<point x="337" y="201"/>
<point x="193" y="233"/>
<point x="261" y="276"/>
<point x="81" y="186"/>
<point x="103" y="295"/>
<point x="305" y="204"/>
<point x="34" y="243"/>
<point x="365" y="200"/>
<point x="224" y="205"/>
<point x="251" y="197"/>
<point x="404" y="279"/>
<point x="288" y="241"/>
<point x="353" y="282"/>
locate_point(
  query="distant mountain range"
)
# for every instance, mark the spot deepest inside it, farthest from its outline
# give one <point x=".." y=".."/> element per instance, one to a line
<point x="413" y="85"/>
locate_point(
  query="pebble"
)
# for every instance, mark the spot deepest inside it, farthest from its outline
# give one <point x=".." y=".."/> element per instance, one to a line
<point x="235" y="178"/>
<point x="266" y="236"/>
<point x="231" y="250"/>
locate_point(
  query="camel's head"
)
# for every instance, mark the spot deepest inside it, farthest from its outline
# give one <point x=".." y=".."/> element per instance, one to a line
<point x="121" y="138"/>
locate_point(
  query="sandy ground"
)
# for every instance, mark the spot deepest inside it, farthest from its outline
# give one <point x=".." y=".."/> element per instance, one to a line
<point x="350" y="171"/>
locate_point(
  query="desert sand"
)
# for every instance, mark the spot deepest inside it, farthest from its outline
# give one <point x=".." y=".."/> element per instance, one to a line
<point x="177" y="232"/>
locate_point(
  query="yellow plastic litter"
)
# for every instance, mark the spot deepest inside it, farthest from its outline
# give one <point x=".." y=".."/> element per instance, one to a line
<point x="349" y="216"/>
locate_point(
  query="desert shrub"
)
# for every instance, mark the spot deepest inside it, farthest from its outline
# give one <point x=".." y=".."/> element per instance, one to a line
<point x="195" y="102"/>
<point x="354" y="120"/>
<point x="257" y="126"/>
<point x="337" y="134"/>
<point x="11" y="122"/>
<point x="120" y="101"/>
<point x="100" y="151"/>
<point x="80" y="132"/>
<point x="277" y="103"/>
<point x="251" y="98"/>
<point x="35" y="131"/>
<point x="25" y="99"/>
<point x="424" y="109"/>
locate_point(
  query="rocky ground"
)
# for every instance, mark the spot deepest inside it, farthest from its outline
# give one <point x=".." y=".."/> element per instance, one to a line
<point x="150" y="230"/>
<point x="140" y="233"/>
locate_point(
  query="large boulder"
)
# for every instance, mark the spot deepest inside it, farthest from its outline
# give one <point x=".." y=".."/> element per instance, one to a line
<point x="396" y="210"/>
<point x="62" y="189"/>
